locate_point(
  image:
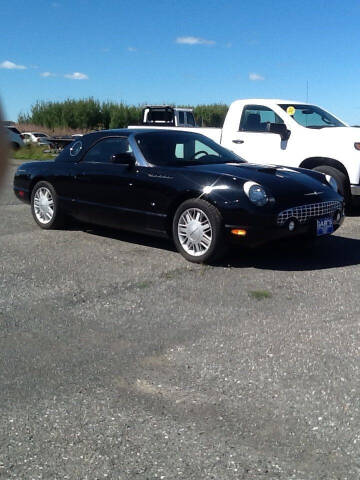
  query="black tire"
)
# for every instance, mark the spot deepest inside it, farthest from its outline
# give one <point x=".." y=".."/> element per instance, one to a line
<point x="14" y="146"/>
<point x="217" y="244"/>
<point x="340" y="178"/>
<point x="57" y="218"/>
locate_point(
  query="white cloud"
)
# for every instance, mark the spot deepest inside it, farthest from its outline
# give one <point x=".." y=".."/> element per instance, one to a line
<point x="255" y="77"/>
<point x="194" y="41"/>
<point x="132" y="49"/>
<point x="48" y="74"/>
<point x="11" y="66"/>
<point x="76" y="76"/>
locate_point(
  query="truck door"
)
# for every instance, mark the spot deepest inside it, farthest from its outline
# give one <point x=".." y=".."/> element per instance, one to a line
<point x="252" y="142"/>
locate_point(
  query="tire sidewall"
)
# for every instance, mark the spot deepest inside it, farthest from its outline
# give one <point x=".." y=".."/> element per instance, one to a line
<point x="53" y="222"/>
<point x="215" y="220"/>
<point x="340" y="178"/>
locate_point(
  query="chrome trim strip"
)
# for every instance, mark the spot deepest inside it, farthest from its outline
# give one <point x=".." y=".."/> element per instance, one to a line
<point x="124" y="209"/>
<point x="303" y="212"/>
<point x="140" y="159"/>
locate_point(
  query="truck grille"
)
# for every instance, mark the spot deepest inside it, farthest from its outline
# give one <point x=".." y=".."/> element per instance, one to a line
<point x="304" y="212"/>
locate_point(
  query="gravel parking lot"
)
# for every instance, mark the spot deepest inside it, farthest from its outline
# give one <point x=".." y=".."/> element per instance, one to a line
<point x="120" y="360"/>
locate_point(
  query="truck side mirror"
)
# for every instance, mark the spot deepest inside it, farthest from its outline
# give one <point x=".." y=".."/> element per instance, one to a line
<point x="123" y="158"/>
<point x="280" y="129"/>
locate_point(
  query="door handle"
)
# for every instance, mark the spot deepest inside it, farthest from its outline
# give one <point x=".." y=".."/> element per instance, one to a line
<point x="238" y="141"/>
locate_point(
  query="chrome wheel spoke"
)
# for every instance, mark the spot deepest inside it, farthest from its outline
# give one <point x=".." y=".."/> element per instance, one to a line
<point x="194" y="231"/>
<point x="44" y="205"/>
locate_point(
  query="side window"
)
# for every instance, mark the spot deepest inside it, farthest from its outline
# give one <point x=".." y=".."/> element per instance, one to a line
<point x="102" y="151"/>
<point x="181" y="118"/>
<point x="186" y="151"/>
<point x="255" y="118"/>
<point x="201" y="147"/>
<point x="190" y="119"/>
<point x="179" y="151"/>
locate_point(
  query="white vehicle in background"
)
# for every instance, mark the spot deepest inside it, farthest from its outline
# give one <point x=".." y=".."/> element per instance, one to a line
<point x="37" y="138"/>
<point x="290" y="133"/>
<point x="14" y="136"/>
<point x="166" y="115"/>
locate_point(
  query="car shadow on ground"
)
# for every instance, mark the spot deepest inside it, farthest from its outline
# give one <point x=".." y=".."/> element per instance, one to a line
<point x="327" y="252"/>
<point x="126" y="236"/>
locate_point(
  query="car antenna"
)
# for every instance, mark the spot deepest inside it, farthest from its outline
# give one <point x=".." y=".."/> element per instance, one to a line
<point x="307" y="91"/>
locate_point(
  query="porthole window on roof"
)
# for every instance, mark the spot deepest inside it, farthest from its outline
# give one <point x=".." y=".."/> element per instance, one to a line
<point x="76" y="148"/>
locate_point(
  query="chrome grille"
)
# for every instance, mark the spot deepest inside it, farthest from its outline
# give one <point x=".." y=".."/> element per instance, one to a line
<point x="304" y="212"/>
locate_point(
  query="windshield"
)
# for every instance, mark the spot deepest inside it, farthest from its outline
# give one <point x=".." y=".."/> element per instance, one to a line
<point x="311" y="116"/>
<point x="178" y="148"/>
<point x="15" y="130"/>
<point x="39" y="135"/>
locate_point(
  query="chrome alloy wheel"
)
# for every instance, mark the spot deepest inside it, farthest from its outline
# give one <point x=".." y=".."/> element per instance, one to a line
<point x="43" y="205"/>
<point x="194" y="232"/>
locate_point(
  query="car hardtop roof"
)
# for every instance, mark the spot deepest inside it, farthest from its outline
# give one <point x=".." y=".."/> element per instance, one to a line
<point x="129" y="131"/>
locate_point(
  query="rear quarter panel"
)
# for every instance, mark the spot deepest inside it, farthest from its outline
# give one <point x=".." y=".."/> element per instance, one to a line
<point x="28" y="174"/>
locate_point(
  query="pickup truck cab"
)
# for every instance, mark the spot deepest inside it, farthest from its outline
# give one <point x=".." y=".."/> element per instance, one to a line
<point x="296" y="134"/>
<point x="166" y="115"/>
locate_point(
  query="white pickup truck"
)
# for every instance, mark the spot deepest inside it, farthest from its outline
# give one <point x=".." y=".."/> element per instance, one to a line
<point x="290" y="133"/>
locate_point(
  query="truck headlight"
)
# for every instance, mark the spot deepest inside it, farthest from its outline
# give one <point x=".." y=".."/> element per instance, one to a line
<point x="256" y="193"/>
<point x="332" y="182"/>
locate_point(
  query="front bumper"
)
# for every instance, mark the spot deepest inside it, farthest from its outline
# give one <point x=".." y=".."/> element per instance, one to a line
<point x="275" y="230"/>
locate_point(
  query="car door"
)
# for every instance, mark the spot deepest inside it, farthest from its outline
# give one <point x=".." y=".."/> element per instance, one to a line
<point x="104" y="189"/>
<point x="253" y="142"/>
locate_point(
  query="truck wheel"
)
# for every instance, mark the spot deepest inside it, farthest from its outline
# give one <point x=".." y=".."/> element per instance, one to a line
<point x="14" y="146"/>
<point x="198" y="231"/>
<point x="45" y="206"/>
<point x="341" y="180"/>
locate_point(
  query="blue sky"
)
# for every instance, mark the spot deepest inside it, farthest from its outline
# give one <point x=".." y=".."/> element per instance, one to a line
<point x="184" y="52"/>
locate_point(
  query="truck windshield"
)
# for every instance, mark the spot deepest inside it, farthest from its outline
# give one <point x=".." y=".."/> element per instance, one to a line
<point x="311" y="116"/>
<point x="179" y="148"/>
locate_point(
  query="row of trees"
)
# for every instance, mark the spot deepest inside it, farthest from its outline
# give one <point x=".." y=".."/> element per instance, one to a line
<point x="87" y="114"/>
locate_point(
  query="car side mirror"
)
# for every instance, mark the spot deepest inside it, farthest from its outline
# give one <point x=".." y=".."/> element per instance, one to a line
<point x="280" y="129"/>
<point x="123" y="158"/>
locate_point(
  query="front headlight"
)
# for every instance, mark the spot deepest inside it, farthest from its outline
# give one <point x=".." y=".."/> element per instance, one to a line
<point x="256" y="193"/>
<point x="332" y="182"/>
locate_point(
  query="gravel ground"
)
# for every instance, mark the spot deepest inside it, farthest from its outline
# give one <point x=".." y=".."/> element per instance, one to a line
<point x="120" y="360"/>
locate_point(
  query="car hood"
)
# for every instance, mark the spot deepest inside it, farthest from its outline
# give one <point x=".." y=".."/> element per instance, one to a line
<point x="336" y="134"/>
<point x="282" y="182"/>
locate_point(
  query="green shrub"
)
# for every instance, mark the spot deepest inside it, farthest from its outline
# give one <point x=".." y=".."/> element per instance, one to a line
<point x="32" y="152"/>
<point x="88" y="114"/>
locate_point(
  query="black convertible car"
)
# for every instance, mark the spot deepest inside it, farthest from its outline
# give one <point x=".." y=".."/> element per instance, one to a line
<point x="178" y="184"/>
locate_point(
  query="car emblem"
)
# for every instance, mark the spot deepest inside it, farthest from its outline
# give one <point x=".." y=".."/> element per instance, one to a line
<point x="313" y="193"/>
